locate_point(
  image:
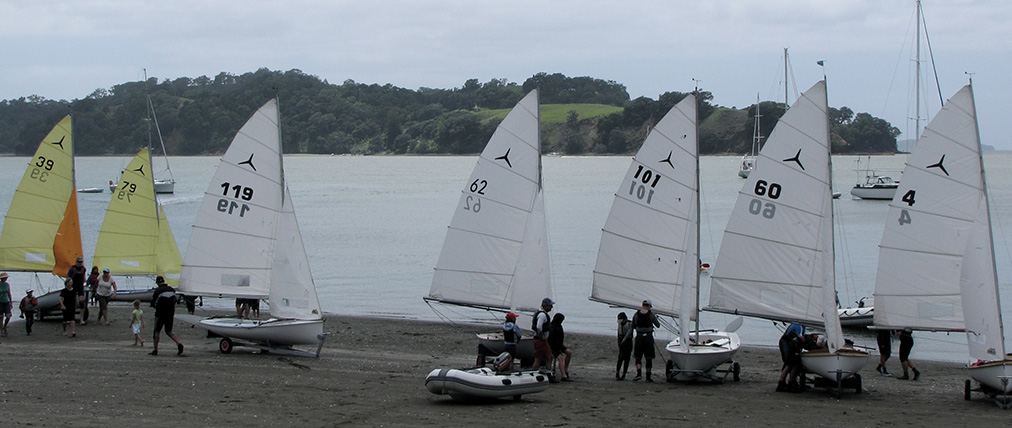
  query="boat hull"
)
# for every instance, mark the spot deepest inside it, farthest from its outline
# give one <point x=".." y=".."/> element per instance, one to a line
<point x="701" y="360"/>
<point x="272" y="332"/>
<point x="996" y="375"/>
<point x="884" y="193"/>
<point x="161" y="186"/>
<point x="133" y="294"/>
<point x="845" y="362"/>
<point x="856" y="317"/>
<point x="484" y="383"/>
<point x="491" y="344"/>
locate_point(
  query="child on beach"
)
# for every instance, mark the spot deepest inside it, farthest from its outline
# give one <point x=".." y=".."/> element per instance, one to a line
<point x="511" y="336"/>
<point x="625" y="346"/>
<point x="137" y="323"/>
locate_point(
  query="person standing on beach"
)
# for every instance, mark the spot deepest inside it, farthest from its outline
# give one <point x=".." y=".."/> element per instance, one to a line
<point x="137" y="323"/>
<point x="511" y="336"/>
<point x="164" y="301"/>
<point x="105" y="290"/>
<point x="556" y="341"/>
<point x="906" y="345"/>
<point x="885" y="350"/>
<point x="625" y="346"/>
<point x="540" y="324"/>
<point x="27" y="307"/>
<point x="92" y="282"/>
<point x="644" y="322"/>
<point x="6" y="300"/>
<point x="68" y="303"/>
<point x="78" y="274"/>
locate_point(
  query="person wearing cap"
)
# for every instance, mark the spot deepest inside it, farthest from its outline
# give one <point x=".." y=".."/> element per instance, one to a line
<point x="643" y="322"/>
<point x="164" y="301"/>
<point x="27" y="307"/>
<point x="511" y="335"/>
<point x="78" y="273"/>
<point x="540" y="325"/>
<point x="105" y="290"/>
<point x="5" y="303"/>
<point x="68" y="300"/>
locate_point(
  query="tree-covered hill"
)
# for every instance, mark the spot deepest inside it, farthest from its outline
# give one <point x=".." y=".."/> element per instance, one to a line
<point x="579" y="115"/>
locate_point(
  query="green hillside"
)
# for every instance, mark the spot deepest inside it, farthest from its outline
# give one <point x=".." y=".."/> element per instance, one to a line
<point x="556" y="113"/>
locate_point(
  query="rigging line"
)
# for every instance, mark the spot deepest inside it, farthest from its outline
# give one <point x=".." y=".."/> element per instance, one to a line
<point x="848" y="265"/>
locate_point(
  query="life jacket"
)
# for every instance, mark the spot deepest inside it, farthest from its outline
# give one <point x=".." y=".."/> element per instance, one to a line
<point x="509" y="336"/>
<point x="534" y="324"/>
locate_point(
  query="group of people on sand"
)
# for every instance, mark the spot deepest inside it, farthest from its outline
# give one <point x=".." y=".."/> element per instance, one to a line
<point x="73" y="297"/>
<point x="640" y="345"/>
<point x="548" y="337"/>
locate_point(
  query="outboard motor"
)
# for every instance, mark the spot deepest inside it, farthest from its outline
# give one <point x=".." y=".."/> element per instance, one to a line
<point x="501" y="363"/>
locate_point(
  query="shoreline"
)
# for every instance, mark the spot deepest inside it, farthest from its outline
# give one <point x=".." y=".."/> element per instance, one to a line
<point x="371" y="371"/>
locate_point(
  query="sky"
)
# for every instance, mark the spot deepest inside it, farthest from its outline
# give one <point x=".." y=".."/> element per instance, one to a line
<point x="66" y="49"/>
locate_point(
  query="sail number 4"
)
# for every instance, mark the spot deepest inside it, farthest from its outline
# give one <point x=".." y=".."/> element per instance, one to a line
<point x="647" y="178"/>
<point x="238" y="192"/>
<point x="768" y="209"/>
<point x="473" y="202"/>
<point x="904" y="214"/>
<point x="46" y="164"/>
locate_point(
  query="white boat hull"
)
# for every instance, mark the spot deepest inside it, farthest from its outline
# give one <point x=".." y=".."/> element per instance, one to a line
<point x="493" y="342"/>
<point x="856" y="317"/>
<point x="874" y="192"/>
<point x="484" y="383"/>
<point x="996" y="375"/>
<point x="272" y="332"/>
<point x="845" y="362"/>
<point x="161" y="186"/>
<point x="701" y="360"/>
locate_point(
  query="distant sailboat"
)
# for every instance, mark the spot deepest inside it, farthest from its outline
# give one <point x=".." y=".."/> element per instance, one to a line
<point x="41" y="231"/>
<point x="495" y="255"/>
<point x="650" y="245"/>
<point x="246" y="243"/>
<point x="748" y="161"/>
<point x="161" y="185"/>
<point x="135" y="238"/>
<point x="936" y="268"/>
<point x="776" y="260"/>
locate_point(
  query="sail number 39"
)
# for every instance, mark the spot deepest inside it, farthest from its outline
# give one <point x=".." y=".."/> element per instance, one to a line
<point x="238" y="192"/>
<point x="43" y="163"/>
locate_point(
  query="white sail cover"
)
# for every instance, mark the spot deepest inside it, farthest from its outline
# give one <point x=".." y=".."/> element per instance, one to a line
<point x="496" y="249"/>
<point x="776" y="257"/>
<point x="936" y="261"/>
<point x="231" y="249"/>
<point x="649" y="242"/>
<point x="292" y="291"/>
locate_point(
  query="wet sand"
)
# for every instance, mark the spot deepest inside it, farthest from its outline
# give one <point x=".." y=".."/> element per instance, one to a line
<point x="371" y="373"/>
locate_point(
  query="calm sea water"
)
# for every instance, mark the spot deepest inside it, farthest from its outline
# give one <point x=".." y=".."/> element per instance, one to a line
<point x="373" y="228"/>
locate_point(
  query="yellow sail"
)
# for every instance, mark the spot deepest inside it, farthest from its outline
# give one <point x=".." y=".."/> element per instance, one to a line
<point x="130" y="241"/>
<point x="41" y="231"/>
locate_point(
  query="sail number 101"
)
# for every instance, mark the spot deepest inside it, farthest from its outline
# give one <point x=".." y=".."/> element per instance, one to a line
<point x="647" y="178"/>
<point x="238" y="192"/>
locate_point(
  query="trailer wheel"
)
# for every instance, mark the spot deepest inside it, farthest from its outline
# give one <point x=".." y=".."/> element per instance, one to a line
<point x="966" y="389"/>
<point x="225" y="345"/>
<point x="516" y="398"/>
<point x="736" y="372"/>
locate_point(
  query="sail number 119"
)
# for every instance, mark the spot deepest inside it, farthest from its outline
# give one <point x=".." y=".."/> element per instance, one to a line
<point x="238" y="192"/>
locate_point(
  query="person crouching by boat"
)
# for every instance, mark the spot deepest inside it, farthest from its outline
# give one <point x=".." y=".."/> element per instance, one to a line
<point x="68" y="304"/>
<point x="164" y="301"/>
<point x="644" y="322"/>
<point x="105" y="290"/>
<point x="511" y="336"/>
<point x="791" y="343"/>
<point x="541" y="324"/>
<point x="561" y="353"/>
<point x="27" y="307"/>
<point x="625" y="346"/>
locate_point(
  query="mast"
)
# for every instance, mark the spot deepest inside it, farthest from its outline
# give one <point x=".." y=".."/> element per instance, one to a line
<point x="698" y="199"/>
<point x="787" y="100"/>
<point x="756" y="136"/>
<point x="917" y="86"/>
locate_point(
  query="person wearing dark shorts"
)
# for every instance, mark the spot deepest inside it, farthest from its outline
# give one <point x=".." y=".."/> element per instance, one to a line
<point x="78" y="274"/>
<point x="791" y="343"/>
<point x="164" y="301"/>
<point x="68" y="304"/>
<point x="885" y="350"/>
<point x="643" y="322"/>
<point x="906" y="345"/>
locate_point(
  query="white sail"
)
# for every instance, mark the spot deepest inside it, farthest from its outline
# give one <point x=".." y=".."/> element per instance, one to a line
<point x="649" y="242"/>
<point x="936" y="262"/>
<point x="776" y="257"/>
<point x="231" y="249"/>
<point x="497" y="238"/>
<point x="292" y="291"/>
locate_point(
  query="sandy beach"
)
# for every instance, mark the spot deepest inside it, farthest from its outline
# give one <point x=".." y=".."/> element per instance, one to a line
<point x="371" y="373"/>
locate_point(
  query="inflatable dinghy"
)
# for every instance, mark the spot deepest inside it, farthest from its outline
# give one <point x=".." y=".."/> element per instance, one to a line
<point x="483" y="382"/>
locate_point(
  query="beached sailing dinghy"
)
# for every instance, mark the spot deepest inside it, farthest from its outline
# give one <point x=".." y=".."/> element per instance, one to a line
<point x="776" y="260"/>
<point x="936" y="261"/>
<point x="495" y="255"/>
<point x="41" y="231"/>
<point x="135" y="238"/>
<point x="246" y="243"/>
<point x="650" y="246"/>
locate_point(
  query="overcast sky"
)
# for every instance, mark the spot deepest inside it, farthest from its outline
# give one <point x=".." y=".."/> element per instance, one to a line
<point x="67" y="49"/>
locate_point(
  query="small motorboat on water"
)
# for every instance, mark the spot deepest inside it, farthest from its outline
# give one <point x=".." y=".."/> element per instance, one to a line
<point x="877" y="187"/>
<point x="483" y="382"/>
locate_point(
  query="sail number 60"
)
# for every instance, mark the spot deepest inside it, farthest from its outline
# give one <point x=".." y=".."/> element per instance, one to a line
<point x="772" y="190"/>
<point x="756" y="207"/>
